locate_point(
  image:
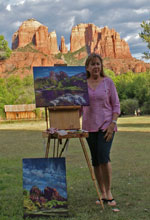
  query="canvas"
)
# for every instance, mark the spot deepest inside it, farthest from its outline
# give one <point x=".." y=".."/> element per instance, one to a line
<point x="60" y="86"/>
<point x="44" y="187"/>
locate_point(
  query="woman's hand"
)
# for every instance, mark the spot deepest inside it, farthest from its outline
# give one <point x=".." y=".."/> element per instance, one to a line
<point x="109" y="132"/>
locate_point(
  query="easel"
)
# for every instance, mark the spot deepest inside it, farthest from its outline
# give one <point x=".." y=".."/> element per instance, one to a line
<point x="66" y="118"/>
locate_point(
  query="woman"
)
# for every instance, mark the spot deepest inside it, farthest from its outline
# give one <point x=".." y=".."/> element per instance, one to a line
<point x="100" y="120"/>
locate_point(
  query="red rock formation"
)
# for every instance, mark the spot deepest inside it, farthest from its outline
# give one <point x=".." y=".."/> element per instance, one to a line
<point x="21" y="63"/>
<point x="42" y="42"/>
<point x="77" y="38"/>
<point x="52" y="194"/>
<point x="101" y="40"/>
<point x="119" y="66"/>
<point x="25" y="33"/>
<point x="33" y="31"/>
<point x="139" y="67"/>
<point x="53" y="42"/>
<point x="63" y="48"/>
<point x="104" y="41"/>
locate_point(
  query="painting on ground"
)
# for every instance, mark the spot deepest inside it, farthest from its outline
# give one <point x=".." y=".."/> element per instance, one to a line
<point x="44" y="187"/>
<point x="60" y="86"/>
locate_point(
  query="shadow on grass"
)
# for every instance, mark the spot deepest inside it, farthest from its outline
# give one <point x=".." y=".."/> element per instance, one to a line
<point x="135" y="125"/>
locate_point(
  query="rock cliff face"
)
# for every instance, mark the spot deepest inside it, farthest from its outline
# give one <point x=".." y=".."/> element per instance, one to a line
<point x="25" y="33"/>
<point x="119" y="66"/>
<point x="41" y="39"/>
<point x="103" y="41"/>
<point x="33" y="45"/>
<point x="33" y="31"/>
<point x="21" y="63"/>
<point x="63" y="48"/>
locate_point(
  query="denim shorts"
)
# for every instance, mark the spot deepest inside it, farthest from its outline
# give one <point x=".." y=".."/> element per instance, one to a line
<point x="99" y="148"/>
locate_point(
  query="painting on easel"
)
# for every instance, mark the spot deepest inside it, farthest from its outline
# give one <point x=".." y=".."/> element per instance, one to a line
<point x="44" y="187"/>
<point x="60" y="86"/>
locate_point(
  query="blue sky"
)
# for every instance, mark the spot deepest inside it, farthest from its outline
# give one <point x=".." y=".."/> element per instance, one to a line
<point x="61" y="15"/>
<point x="42" y="172"/>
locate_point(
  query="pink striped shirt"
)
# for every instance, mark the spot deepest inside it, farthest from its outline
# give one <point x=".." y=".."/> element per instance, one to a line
<point x="104" y="102"/>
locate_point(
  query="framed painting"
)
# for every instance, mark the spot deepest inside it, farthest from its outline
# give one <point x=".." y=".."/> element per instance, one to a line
<point x="44" y="187"/>
<point x="60" y="86"/>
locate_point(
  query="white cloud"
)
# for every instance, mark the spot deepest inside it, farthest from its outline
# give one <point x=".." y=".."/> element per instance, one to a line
<point x="127" y="38"/>
<point x="16" y="24"/>
<point x="14" y="3"/>
<point x="67" y="25"/>
<point x="20" y="2"/>
<point x="68" y="46"/>
<point x="84" y="13"/>
<point x="133" y="25"/>
<point x="141" y="10"/>
<point x="139" y="56"/>
<point x="8" y="7"/>
<point x="137" y="36"/>
<point x="131" y="37"/>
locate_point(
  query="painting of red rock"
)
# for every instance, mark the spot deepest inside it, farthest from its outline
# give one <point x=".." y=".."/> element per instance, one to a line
<point x="44" y="187"/>
<point x="60" y="86"/>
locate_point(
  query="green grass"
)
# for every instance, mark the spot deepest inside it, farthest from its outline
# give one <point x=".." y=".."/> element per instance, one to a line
<point x="71" y="59"/>
<point x="28" y="48"/>
<point x="130" y="163"/>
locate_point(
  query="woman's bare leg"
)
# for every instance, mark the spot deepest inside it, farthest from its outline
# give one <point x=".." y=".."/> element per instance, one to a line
<point x="100" y="180"/>
<point x="103" y="174"/>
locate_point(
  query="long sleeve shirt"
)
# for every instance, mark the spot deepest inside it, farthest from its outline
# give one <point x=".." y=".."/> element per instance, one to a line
<point x="104" y="102"/>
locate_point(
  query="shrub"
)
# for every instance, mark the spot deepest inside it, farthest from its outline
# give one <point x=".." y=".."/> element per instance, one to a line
<point x="5" y="51"/>
<point x="145" y="109"/>
<point x="128" y="106"/>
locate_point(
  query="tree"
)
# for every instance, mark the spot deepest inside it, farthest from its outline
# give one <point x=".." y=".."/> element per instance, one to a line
<point x="5" y="51"/>
<point x="145" y="35"/>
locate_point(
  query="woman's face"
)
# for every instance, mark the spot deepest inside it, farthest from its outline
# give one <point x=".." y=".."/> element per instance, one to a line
<point x="94" y="68"/>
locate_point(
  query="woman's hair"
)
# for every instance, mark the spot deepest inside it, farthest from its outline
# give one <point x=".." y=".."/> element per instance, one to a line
<point x="88" y="60"/>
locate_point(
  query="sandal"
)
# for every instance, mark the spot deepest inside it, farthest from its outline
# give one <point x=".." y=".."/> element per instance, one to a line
<point x="98" y="201"/>
<point x="111" y="202"/>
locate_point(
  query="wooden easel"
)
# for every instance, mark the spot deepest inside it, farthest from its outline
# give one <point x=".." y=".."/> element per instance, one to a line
<point x="66" y="118"/>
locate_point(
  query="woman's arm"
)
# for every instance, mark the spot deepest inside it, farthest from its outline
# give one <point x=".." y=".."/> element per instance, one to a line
<point x="110" y="129"/>
<point x="114" y="100"/>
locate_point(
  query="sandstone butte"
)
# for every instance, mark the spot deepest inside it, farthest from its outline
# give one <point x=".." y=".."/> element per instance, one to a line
<point x="33" y="45"/>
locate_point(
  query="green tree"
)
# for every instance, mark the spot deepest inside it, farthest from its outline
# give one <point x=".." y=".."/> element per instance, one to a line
<point x="5" y="51"/>
<point x="123" y="83"/>
<point x="110" y="74"/>
<point x="145" y="35"/>
<point x="14" y="90"/>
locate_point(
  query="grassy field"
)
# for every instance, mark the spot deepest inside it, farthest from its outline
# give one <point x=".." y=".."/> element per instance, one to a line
<point x="130" y="162"/>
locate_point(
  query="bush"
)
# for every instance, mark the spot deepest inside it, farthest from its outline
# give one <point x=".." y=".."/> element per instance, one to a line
<point x="128" y="106"/>
<point x="145" y="109"/>
<point x="2" y="113"/>
<point x="38" y="112"/>
<point x="5" y="51"/>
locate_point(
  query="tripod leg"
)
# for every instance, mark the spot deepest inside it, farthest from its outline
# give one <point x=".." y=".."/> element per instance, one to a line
<point x="58" y="142"/>
<point x="48" y="146"/>
<point x="91" y="170"/>
<point x="54" y="147"/>
<point x="65" y="144"/>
